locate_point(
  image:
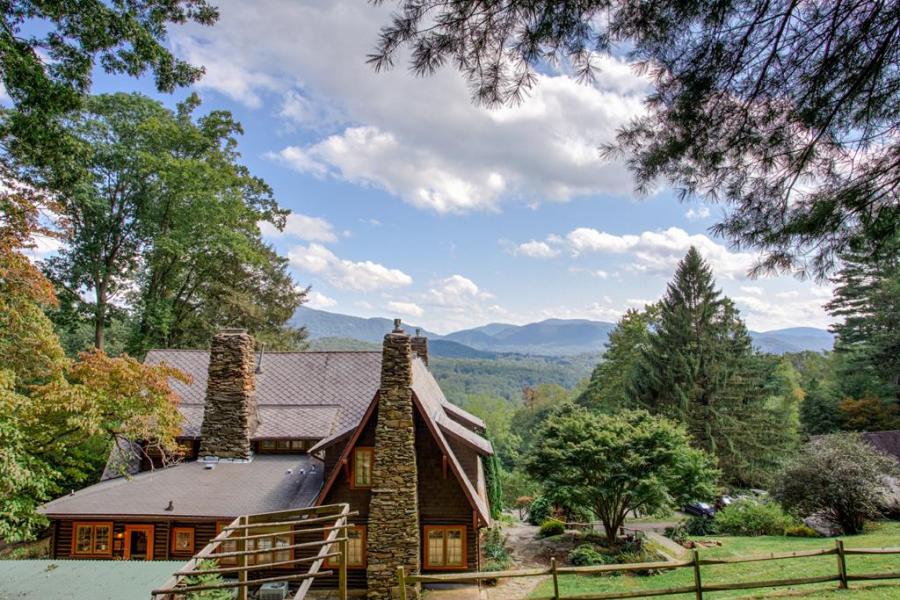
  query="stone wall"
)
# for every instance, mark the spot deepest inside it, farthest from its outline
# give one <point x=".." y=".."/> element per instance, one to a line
<point x="230" y="414"/>
<point x="393" y="533"/>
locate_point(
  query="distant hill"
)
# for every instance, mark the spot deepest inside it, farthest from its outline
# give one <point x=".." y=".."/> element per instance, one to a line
<point x="794" y="339"/>
<point x="551" y="337"/>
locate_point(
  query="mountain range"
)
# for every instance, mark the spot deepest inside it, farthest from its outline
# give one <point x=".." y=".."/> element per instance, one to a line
<point x="551" y="337"/>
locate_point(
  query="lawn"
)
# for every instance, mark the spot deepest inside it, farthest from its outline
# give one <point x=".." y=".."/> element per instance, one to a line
<point x="881" y="535"/>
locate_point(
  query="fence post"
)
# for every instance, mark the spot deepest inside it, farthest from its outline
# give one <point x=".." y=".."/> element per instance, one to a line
<point x="842" y="564"/>
<point x="698" y="584"/>
<point x="401" y="579"/>
<point x="555" y="578"/>
<point x="242" y="546"/>
<point x="342" y="574"/>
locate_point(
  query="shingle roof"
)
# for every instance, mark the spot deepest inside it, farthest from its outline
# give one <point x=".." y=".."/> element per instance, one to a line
<point x="195" y="491"/>
<point x="429" y="392"/>
<point x="334" y="387"/>
<point x="82" y="579"/>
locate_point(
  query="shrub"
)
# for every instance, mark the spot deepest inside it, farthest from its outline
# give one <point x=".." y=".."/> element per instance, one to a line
<point x="840" y="477"/>
<point x="540" y="510"/>
<point x="552" y="527"/>
<point x="700" y="526"/>
<point x="492" y="566"/>
<point x="495" y="546"/>
<point x="208" y="579"/>
<point x="800" y="531"/>
<point x="749" y="517"/>
<point x="586" y="555"/>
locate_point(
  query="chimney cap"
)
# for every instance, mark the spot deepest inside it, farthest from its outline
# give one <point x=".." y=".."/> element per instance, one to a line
<point x="397" y="328"/>
<point x="232" y="330"/>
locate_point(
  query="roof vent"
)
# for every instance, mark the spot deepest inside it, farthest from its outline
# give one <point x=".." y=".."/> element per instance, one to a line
<point x="171" y="506"/>
<point x="262" y="349"/>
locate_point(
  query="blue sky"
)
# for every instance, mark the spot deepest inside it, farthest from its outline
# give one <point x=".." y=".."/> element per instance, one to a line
<point x="408" y="201"/>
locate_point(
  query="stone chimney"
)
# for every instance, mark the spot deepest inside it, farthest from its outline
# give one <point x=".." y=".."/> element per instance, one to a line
<point x="393" y="533"/>
<point x="230" y="413"/>
<point x="419" y="345"/>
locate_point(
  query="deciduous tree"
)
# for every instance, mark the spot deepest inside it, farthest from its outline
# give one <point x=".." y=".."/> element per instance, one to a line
<point x="615" y="464"/>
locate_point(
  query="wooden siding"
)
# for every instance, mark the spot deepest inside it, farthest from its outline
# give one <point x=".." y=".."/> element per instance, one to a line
<point x="204" y="531"/>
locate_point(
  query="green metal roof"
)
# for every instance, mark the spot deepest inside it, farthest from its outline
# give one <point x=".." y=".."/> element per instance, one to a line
<point x="82" y="579"/>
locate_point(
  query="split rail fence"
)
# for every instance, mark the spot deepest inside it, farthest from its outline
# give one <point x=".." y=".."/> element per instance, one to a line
<point x="698" y="588"/>
<point x="328" y="522"/>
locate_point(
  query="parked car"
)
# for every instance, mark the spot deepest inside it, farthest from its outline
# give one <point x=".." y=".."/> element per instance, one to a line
<point x="724" y="501"/>
<point x="700" y="509"/>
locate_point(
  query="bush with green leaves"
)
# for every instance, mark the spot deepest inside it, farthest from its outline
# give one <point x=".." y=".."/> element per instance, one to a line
<point x="751" y="517"/>
<point x="208" y="579"/>
<point x="837" y="477"/>
<point x="587" y="555"/>
<point x="495" y="546"/>
<point x="552" y="527"/>
<point x="698" y="525"/>
<point x="800" y="531"/>
<point x="540" y="510"/>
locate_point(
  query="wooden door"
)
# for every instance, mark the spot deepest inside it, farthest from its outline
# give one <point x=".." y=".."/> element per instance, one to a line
<point x="139" y="542"/>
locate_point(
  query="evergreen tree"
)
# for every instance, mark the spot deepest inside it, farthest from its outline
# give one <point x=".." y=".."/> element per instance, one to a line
<point x="699" y="367"/>
<point x="607" y="390"/>
<point x="867" y="300"/>
<point x="819" y="411"/>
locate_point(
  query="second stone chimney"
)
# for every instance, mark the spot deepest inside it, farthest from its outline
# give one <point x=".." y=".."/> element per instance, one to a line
<point x="393" y="532"/>
<point x="419" y="344"/>
<point x="229" y="416"/>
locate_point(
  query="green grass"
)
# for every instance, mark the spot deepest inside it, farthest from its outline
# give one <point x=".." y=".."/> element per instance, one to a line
<point x="881" y="535"/>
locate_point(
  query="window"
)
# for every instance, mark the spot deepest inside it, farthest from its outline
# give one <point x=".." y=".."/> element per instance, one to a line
<point x="281" y="539"/>
<point x="445" y="547"/>
<point x="92" y="539"/>
<point x="362" y="467"/>
<point x="283" y="444"/>
<point x="299" y="445"/>
<point x="356" y="549"/>
<point x="183" y="539"/>
<point x="267" y="444"/>
<point x="227" y="546"/>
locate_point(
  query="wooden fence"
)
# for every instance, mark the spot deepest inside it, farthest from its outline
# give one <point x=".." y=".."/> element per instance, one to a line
<point x="330" y="522"/>
<point x="698" y="588"/>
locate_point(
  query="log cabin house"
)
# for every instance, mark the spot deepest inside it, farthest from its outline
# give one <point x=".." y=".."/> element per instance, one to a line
<point x="290" y="430"/>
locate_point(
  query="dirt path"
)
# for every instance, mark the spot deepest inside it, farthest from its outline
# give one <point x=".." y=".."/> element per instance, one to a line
<point x="526" y="551"/>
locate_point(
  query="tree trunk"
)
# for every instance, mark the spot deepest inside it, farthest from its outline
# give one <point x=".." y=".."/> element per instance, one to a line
<point x="100" y="317"/>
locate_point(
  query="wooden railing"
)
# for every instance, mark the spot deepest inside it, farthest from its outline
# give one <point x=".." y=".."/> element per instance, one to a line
<point x="698" y="588"/>
<point x="331" y="522"/>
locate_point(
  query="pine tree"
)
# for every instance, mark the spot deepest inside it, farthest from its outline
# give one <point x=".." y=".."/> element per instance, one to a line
<point x="700" y="368"/>
<point x="607" y="390"/>
<point x="867" y="300"/>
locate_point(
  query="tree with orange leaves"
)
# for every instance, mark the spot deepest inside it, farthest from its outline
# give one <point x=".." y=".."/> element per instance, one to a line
<point x="58" y="417"/>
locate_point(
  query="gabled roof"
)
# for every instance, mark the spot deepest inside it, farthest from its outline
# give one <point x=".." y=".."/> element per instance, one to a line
<point x="448" y="416"/>
<point x="434" y="402"/>
<point x="228" y="490"/>
<point x="332" y="388"/>
<point x="427" y="397"/>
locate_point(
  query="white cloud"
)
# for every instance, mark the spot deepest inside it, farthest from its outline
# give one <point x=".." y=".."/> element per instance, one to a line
<point x="420" y="139"/>
<point x="456" y="291"/>
<point x="536" y="249"/>
<point x="698" y="214"/>
<point x="793" y="310"/>
<point x="302" y="227"/>
<point x="319" y="300"/>
<point x="409" y="309"/>
<point x="660" y="251"/>
<point x="44" y="247"/>
<point x="752" y="289"/>
<point x="598" y="273"/>
<point x="364" y="276"/>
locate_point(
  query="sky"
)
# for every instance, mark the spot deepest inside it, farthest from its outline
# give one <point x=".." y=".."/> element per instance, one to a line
<point x="409" y="201"/>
